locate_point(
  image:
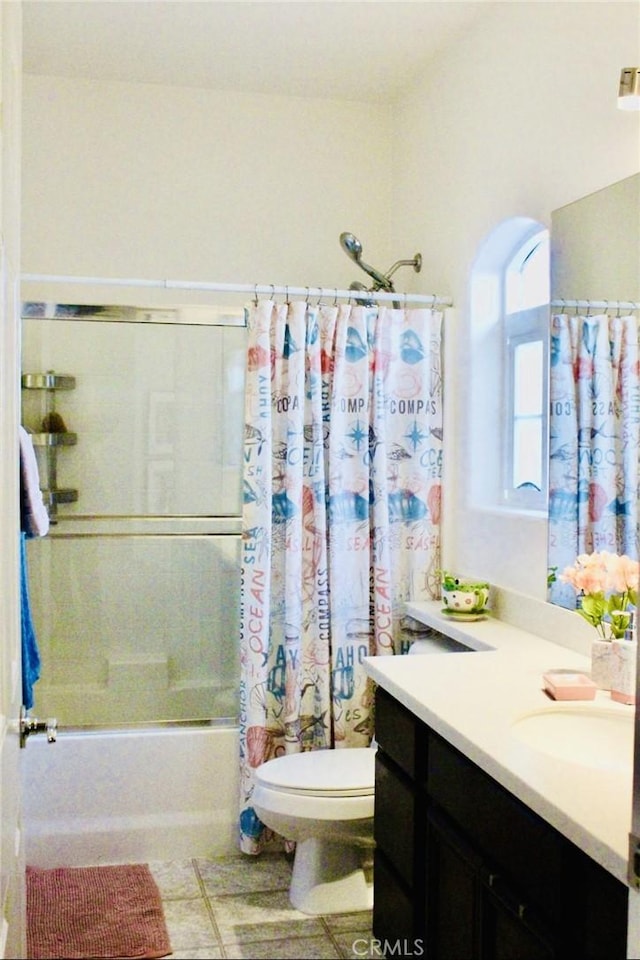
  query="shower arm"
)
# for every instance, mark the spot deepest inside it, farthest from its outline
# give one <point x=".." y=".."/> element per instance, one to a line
<point x="383" y="281"/>
<point x="416" y="263"/>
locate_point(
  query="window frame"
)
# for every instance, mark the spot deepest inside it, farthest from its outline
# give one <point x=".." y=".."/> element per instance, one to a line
<point x="527" y="324"/>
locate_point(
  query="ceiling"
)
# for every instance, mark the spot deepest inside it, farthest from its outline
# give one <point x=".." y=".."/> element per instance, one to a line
<point x="366" y="51"/>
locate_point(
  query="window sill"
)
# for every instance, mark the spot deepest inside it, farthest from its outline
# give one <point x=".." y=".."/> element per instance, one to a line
<point x="505" y="510"/>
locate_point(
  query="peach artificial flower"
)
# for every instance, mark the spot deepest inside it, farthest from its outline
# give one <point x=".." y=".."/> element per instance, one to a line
<point x="607" y="585"/>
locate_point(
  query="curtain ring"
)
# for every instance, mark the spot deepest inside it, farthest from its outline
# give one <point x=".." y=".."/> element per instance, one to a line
<point x="255" y="294"/>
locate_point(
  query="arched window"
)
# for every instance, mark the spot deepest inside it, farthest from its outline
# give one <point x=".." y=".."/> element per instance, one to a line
<point x="527" y="275"/>
<point x="509" y="333"/>
<point x="526" y="281"/>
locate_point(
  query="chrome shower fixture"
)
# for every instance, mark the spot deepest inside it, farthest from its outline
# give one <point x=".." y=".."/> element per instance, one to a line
<point x="629" y="90"/>
<point x="362" y="288"/>
<point x="382" y="281"/>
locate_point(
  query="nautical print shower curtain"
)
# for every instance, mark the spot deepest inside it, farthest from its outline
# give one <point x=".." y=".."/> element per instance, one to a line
<point x="594" y="435"/>
<point x="341" y="523"/>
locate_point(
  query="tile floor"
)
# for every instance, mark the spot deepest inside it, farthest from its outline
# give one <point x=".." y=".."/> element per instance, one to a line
<point x="238" y="907"/>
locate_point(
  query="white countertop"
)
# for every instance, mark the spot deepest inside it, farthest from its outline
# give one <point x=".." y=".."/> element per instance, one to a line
<point x="472" y="699"/>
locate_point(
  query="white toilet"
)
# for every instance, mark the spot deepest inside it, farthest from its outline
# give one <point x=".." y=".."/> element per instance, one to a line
<point x="323" y="799"/>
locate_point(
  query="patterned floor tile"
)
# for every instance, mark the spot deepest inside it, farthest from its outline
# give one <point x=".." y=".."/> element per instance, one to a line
<point x="245" y="874"/>
<point x="176" y="879"/>
<point x="252" y="916"/>
<point x="359" y="945"/>
<point x="188" y="925"/>
<point x="358" y="920"/>
<point x="199" y="953"/>
<point x="302" y="948"/>
<point x="262" y="916"/>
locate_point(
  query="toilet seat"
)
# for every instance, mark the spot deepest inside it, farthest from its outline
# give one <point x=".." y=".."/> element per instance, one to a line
<point x="326" y="773"/>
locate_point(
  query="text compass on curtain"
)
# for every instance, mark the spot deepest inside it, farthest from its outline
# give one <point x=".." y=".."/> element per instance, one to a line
<point x="381" y="281"/>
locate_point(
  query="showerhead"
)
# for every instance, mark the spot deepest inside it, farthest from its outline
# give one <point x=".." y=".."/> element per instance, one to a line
<point x="353" y="248"/>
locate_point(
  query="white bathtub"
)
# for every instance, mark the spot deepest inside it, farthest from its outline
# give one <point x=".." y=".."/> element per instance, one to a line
<point x="160" y="793"/>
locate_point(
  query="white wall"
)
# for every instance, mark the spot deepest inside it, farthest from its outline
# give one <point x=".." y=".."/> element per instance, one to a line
<point x="518" y="117"/>
<point x="140" y="180"/>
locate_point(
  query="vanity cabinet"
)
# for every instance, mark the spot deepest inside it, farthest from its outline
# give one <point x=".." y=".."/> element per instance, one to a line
<point x="465" y="870"/>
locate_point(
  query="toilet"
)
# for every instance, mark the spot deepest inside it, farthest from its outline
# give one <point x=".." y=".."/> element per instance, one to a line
<point x="323" y="800"/>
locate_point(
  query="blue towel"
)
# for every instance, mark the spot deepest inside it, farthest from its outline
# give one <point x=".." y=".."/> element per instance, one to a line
<point x="30" y="655"/>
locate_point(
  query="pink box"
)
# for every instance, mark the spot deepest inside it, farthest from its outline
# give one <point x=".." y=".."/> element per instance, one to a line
<point x="565" y="685"/>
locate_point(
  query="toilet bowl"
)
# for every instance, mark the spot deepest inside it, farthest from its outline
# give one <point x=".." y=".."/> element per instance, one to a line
<point x="323" y="799"/>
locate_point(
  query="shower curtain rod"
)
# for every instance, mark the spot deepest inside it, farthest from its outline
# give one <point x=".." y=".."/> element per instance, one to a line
<point x="598" y="304"/>
<point x="266" y="289"/>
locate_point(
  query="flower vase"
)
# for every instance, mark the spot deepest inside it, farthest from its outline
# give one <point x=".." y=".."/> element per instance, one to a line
<point x="601" y="663"/>
<point x="623" y="671"/>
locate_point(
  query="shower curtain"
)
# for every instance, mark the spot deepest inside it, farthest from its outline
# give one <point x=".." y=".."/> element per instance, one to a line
<point x="341" y="521"/>
<point x="593" y="441"/>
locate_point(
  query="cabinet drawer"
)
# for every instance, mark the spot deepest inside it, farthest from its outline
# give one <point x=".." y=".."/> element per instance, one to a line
<point x="397" y="732"/>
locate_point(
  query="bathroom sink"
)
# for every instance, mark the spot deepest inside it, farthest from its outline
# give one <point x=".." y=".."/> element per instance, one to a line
<point x="590" y="736"/>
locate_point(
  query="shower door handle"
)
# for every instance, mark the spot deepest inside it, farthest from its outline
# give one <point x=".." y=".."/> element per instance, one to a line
<point x="29" y="725"/>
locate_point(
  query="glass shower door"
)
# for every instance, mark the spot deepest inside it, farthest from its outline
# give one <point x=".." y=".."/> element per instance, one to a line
<point x="135" y="591"/>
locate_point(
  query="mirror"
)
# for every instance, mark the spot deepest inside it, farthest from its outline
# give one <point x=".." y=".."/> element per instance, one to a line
<point x="594" y="387"/>
<point x="595" y="245"/>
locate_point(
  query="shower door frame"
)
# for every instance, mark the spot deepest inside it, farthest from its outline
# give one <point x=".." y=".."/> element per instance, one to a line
<point x="138" y="527"/>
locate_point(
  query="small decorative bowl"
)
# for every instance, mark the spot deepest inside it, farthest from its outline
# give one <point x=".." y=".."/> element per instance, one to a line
<point x="460" y="596"/>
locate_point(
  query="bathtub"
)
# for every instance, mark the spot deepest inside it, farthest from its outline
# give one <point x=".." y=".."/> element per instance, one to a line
<point x="156" y="793"/>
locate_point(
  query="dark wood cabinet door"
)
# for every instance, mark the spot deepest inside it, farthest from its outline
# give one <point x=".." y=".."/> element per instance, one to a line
<point x="452" y="893"/>
<point x="508" y="929"/>
<point x="395" y="820"/>
<point x="393" y="906"/>
<point x="471" y="914"/>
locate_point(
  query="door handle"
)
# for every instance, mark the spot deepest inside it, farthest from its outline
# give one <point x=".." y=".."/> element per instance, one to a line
<point x="29" y="725"/>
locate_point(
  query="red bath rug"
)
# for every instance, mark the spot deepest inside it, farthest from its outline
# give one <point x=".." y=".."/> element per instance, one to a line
<point x="81" y="913"/>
